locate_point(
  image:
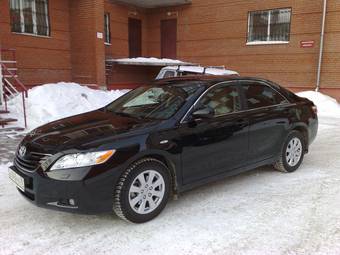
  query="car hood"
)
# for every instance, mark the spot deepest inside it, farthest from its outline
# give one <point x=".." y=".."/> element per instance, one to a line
<point x="85" y="131"/>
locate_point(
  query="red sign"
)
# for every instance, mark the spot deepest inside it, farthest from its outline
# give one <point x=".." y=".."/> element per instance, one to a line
<point x="307" y="44"/>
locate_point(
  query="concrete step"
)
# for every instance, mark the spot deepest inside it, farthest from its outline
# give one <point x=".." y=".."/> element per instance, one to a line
<point x="4" y="122"/>
<point x="11" y="129"/>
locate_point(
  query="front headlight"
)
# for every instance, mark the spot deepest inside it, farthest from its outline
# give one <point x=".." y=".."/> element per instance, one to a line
<point x="82" y="159"/>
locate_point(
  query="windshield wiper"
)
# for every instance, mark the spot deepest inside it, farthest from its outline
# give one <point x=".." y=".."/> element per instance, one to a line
<point x="124" y="114"/>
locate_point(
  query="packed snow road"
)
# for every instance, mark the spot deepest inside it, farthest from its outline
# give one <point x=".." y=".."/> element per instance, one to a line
<point x="260" y="212"/>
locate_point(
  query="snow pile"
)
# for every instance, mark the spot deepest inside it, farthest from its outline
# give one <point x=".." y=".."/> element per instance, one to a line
<point x="327" y="106"/>
<point x="148" y="61"/>
<point x="59" y="100"/>
<point x="50" y="102"/>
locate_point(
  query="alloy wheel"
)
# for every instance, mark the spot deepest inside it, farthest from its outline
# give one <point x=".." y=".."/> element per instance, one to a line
<point x="146" y="192"/>
<point x="294" y="152"/>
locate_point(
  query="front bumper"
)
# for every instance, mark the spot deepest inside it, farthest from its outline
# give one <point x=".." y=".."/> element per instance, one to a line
<point x="89" y="196"/>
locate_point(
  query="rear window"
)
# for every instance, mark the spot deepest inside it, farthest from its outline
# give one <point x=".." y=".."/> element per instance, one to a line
<point x="258" y="95"/>
<point x="169" y="74"/>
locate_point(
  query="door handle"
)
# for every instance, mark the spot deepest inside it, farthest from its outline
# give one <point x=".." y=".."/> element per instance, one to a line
<point x="242" y="122"/>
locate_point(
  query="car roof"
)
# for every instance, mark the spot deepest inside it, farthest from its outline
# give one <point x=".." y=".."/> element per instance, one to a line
<point x="207" y="80"/>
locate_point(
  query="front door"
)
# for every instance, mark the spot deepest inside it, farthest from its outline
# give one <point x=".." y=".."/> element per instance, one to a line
<point x="215" y="145"/>
<point x="169" y="38"/>
<point x="135" y="38"/>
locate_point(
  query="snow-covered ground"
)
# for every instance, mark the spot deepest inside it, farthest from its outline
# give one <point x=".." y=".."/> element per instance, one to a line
<point x="59" y="100"/>
<point x="260" y="212"/>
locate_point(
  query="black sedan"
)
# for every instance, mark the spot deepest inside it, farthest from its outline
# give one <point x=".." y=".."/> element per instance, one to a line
<point x="160" y="140"/>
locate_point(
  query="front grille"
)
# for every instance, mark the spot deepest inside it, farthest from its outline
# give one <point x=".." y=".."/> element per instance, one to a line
<point x="30" y="162"/>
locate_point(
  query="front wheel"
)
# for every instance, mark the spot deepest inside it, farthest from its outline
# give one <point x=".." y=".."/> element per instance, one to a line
<point x="142" y="191"/>
<point x="292" y="153"/>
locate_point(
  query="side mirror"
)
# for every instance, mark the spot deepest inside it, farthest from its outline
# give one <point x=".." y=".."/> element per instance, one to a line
<point x="204" y="113"/>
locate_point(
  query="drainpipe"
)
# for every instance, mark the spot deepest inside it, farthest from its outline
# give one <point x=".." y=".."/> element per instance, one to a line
<point x="321" y="44"/>
<point x="1" y="84"/>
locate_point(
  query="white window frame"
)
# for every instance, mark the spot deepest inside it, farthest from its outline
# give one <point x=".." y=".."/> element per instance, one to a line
<point x="268" y="41"/>
<point x="34" y="20"/>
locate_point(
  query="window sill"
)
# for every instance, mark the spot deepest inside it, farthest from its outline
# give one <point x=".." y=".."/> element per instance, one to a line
<point x="267" y="43"/>
<point x="107" y="44"/>
<point x="27" y="34"/>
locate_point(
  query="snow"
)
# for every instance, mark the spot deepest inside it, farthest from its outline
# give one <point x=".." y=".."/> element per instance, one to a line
<point x="266" y="42"/>
<point x="59" y="100"/>
<point x="260" y="212"/>
<point x="148" y="61"/>
<point x="327" y="106"/>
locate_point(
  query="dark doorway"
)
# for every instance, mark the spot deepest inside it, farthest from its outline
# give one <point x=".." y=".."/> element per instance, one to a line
<point x="135" y="38"/>
<point x="169" y="38"/>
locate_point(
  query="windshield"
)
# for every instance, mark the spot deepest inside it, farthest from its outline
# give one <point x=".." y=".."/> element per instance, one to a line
<point x="158" y="102"/>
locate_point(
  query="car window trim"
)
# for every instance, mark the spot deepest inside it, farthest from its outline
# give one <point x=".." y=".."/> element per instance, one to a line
<point x="239" y="85"/>
<point x="248" y="110"/>
<point x="264" y="84"/>
<point x="204" y="93"/>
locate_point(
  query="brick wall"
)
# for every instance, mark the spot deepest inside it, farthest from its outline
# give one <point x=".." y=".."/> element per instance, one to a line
<point x="209" y="33"/>
<point x="330" y="79"/>
<point x="119" y="15"/>
<point x="127" y="76"/>
<point x="215" y="33"/>
<point x="88" y="52"/>
<point x="40" y="59"/>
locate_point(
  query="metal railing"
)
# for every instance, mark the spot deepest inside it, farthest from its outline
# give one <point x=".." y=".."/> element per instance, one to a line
<point x="8" y="74"/>
<point x="10" y="85"/>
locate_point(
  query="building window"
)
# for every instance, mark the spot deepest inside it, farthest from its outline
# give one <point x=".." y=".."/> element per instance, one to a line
<point x="30" y="17"/>
<point x="107" y="28"/>
<point x="271" y="26"/>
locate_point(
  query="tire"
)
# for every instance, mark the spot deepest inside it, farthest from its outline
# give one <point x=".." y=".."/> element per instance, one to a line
<point x="136" y="203"/>
<point x="292" y="153"/>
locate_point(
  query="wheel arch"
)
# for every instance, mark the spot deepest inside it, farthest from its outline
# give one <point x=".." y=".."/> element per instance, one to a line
<point x="171" y="165"/>
<point x="304" y="131"/>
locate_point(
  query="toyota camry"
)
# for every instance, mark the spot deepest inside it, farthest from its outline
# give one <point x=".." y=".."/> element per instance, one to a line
<point x="160" y="140"/>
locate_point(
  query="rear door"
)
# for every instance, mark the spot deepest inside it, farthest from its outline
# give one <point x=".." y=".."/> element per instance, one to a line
<point x="215" y="145"/>
<point x="268" y="113"/>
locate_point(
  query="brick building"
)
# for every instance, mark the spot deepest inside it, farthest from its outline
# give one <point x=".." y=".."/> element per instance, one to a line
<point x="70" y="40"/>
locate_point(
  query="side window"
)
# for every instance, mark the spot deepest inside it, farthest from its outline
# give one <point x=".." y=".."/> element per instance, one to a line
<point x="223" y="100"/>
<point x="169" y="74"/>
<point x="258" y="95"/>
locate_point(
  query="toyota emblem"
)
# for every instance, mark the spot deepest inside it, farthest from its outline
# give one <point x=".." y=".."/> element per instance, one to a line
<point x="22" y="151"/>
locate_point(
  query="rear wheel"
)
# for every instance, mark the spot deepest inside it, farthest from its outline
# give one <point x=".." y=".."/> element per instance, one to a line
<point x="142" y="191"/>
<point x="292" y="153"/>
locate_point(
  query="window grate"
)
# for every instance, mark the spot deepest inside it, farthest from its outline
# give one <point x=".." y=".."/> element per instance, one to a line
<point x="107" y="28"/>
<point x="30" y="17"/>
<point x="269" y="25"/>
